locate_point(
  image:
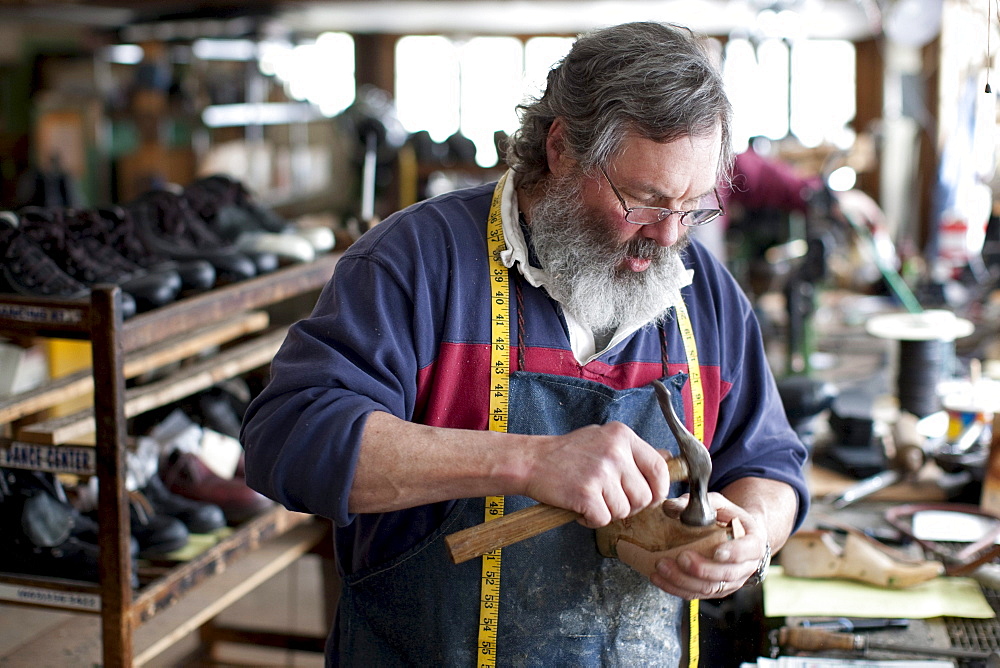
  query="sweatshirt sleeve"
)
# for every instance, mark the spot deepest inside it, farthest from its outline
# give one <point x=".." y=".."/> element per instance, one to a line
<point x="354" y="355"/>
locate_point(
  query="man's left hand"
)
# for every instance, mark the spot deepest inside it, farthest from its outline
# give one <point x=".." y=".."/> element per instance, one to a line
<point x="690" y="574"/>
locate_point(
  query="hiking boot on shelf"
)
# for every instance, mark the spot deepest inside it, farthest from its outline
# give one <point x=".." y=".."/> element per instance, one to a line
<point x="167" y="225"/>
<point x="76" y="257"/>
<point x="26" y="270"/>
<point x="115" y="227"/>
<point x="86" y="530"/>
<point x="185" y="474"/>
<point x="227" y="207"/>
<point x="217" y="409"/>
<point x="152" y="288"/>
<point x="157" y="534"/>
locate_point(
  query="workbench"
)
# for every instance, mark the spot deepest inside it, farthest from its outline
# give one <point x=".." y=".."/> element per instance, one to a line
<point x="935" y="632"/>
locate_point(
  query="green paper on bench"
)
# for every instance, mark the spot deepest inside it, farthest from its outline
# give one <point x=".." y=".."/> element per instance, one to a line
<point x="786" y="596"/>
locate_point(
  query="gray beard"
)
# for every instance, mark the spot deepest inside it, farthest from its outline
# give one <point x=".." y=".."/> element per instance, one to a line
<point x="583" y="266"/>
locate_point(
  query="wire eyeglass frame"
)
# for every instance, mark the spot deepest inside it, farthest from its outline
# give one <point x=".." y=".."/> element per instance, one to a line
<point x="656" y="214"/>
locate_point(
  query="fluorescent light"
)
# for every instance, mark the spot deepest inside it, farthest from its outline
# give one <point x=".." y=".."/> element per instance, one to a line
<point x="265" y="113"/>
<point x="224" y="49"/>
<point x="124" y="54"/>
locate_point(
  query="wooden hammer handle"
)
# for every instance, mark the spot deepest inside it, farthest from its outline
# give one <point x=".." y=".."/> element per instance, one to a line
<point x="503" y="531"/>
<point x="525" y="523"/>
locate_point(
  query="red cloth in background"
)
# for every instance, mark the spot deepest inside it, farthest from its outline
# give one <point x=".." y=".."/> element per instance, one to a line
<point x="761" y="182"/>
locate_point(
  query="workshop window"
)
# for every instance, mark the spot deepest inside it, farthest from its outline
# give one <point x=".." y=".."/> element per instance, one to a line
<point x="823" y="91"/>
<point x="319" y="71"/>
<point x="427" y="91"/>
<point x="804" y="88"/>
<point x="474" y="85"/>
<point x="540" y="54"/>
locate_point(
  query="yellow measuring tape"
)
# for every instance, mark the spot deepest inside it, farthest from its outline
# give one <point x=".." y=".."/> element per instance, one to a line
<point x="698" y="422"/>
<point x="489" y="599"/>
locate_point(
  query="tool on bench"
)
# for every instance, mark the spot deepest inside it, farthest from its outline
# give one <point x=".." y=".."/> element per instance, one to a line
<point x="817" y="640"/>
<point x="694" y="465"/>
<point x="910" y="456"/>
<point x="843" y="624"/>
<point x="973" y="559"/>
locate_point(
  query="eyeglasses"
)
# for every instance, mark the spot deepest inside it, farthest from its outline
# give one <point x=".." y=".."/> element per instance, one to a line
<point x="648" y="215"/>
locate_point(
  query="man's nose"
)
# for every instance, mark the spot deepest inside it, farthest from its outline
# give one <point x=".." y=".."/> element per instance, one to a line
<point x="666" y="232"/>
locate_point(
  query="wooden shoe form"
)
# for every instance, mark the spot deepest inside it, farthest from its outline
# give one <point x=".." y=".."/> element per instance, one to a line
<point x="815" y="554"/>
<point x="656" y="532"/>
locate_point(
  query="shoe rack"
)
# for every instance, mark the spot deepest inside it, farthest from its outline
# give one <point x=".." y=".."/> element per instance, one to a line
<point x="137" y="624"/>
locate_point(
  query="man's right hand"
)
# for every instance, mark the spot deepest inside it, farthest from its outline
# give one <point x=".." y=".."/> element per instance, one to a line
<point x="604" y="472"/>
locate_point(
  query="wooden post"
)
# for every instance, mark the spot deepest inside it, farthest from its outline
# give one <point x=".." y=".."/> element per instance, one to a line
<point x="115" y="533"/>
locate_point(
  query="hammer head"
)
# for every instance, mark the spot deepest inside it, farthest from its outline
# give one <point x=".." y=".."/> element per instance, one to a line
<point x="698" y="512"/>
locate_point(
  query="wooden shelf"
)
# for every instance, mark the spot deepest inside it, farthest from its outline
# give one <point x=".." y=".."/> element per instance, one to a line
<point x="166" y="590"/>
<point x="129" y="625"/>
<point x="214" y="595"/>
<point x="187" y="314"/>
<point x="81" y="383"/>
<point x="77" y="641"/>
<point x="189" y="380"/>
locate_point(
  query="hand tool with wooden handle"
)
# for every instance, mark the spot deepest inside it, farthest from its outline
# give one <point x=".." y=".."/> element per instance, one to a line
<point x="694" y="465"/>
<point x="526" y="523"/>
<point x="818" y="640"/>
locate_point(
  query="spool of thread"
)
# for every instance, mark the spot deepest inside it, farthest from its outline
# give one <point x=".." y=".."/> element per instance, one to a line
<point x="921" y="366"/>
<point x="926" y="351"/>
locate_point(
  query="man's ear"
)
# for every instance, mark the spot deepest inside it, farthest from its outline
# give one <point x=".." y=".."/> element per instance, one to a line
<point x="556" y="154"/>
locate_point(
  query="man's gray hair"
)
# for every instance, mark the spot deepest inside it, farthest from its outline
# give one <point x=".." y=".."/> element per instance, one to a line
<point x="651" y="79"/>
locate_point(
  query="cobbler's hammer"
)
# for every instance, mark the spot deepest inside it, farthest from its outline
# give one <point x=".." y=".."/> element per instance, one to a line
<point x="664" y="530"/>
<point x="694" y="465"/>
<point x="699" y="512"/>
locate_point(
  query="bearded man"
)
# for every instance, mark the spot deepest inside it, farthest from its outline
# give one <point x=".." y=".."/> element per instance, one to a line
<point x="501" y="341"/>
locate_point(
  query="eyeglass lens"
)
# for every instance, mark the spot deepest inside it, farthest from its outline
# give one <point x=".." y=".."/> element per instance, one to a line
<point x="647" y="215"/>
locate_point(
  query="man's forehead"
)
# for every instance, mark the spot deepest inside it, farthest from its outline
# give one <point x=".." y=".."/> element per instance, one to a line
<point x="689" y="162"/>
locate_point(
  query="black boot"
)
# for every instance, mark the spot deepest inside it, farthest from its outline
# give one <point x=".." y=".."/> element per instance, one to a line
<point x="41" y="533"/>
<point x="167" y="225"/>
<point x="78" y="259"/>
<point x="156" y="534"/>
<point x="117" y="229"/>
<point x="26" y="270"/>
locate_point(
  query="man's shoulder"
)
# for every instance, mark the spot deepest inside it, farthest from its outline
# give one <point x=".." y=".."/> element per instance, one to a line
<point x="458" y="213"/>
<point x="453" y="206"/>
<point x="706" y="265"/>
<point x="712" y="281"/>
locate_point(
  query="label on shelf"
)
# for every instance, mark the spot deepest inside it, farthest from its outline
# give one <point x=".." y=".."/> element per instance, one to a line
<point x="51" y="458"/>
<point x="71" y="600"/>
<point x="41" y="314"/>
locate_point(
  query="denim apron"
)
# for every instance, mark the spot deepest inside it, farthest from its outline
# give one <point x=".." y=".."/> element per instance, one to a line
<point x="561" y="602"/>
